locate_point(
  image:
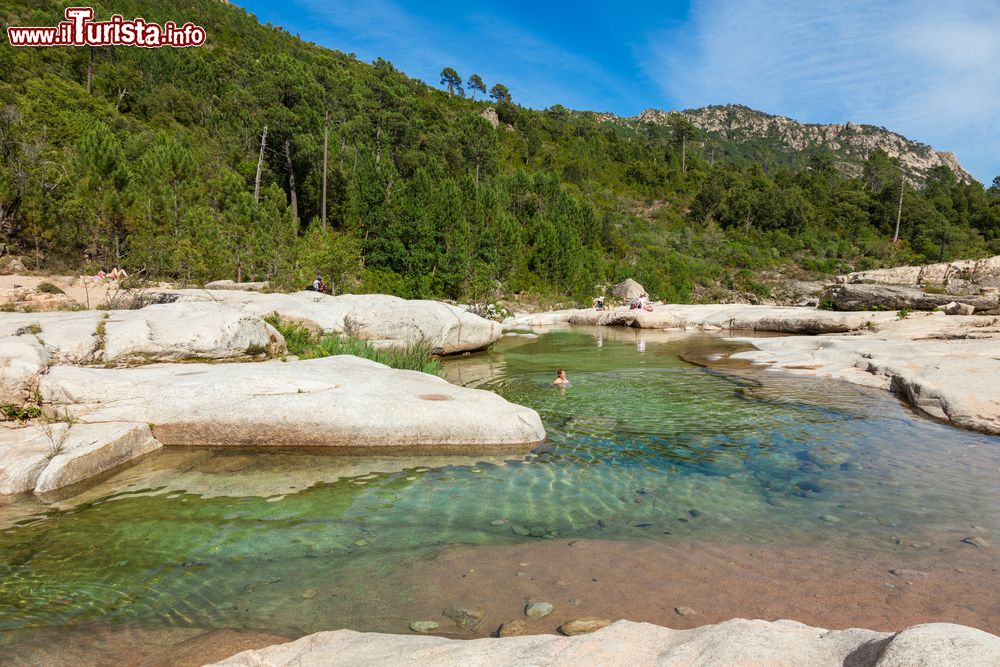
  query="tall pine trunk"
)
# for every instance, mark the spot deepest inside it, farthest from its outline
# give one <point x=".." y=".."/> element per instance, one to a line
<point x="294" y="200"/>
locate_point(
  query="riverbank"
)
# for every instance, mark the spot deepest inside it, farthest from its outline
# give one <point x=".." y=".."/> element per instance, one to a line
<point x="945" y="366"/>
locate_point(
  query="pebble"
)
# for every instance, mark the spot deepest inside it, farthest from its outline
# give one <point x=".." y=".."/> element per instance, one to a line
<point x="908" y="573"/>
<point x="522" y="574"/>
<point x="466" y="618"/>
<point x="582" y="626"/>
<point x="685" y="611"/>
<point x="497" y="522"/>
<point x="360" y="543"/>
<point x="523" y="564"/>
<point x="829" y="518"/>
<point x="514" y="628"/>
<point x="538" y="609"/>
<point x="519" y="530"/>
<point x="308" y="594"/>
<point x="977" y="541"/>
<point x="423" y="626"/>
<point x="695" y="513"/>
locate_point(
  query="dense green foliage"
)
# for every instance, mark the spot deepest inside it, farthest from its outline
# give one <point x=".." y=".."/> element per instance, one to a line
<point x="305" y="344"/>
<point x="154" y="170"/>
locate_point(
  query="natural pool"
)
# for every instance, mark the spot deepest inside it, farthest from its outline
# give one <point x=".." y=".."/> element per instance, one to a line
<point x="645" y="447"/>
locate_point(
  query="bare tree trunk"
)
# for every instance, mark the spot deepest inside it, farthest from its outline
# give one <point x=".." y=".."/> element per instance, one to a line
<point x="291" y="180"/>
<point x="378" y="142"/>
<point x="326" y="141"/>
<point x="90" y="69"/>
<point x="260" y="164"/>
<point x="899" y="209"/>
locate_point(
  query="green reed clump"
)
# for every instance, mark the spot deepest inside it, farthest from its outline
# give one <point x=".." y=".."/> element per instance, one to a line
<point x="305" y="344"/>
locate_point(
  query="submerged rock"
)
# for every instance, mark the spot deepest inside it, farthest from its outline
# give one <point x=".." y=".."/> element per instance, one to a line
<point x="537" y="609"/>
<point x="466" y="618"/>
<point x="977" y="541"/>
<point x="423" y="627"/>
<point x="582" y="626"/>
<point x="514" y="628"/>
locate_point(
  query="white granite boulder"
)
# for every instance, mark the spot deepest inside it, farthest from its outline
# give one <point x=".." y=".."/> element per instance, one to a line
<point x="734" y="643"/>
<point x="386" y="321"/>
<point x="341" y="401"/>
<point x="168" y="332"/>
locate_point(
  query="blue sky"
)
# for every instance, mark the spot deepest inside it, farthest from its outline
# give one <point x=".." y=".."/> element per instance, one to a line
<point x="929" y="70"/>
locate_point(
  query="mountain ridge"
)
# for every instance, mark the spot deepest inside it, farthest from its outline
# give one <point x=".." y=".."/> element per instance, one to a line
<point x="852" y="142"/>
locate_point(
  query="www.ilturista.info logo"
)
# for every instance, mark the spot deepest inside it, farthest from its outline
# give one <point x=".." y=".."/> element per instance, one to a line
<point x="80" y="30"/>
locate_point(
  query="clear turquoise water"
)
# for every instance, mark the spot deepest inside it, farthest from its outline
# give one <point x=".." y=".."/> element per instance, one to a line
<point x="643" y="445"/>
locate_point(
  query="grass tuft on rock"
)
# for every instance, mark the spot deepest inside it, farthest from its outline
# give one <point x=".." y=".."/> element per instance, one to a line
<point x="306" y="344"/>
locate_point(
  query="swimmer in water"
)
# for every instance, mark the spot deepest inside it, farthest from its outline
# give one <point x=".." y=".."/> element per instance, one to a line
<point x="560" y="380"/>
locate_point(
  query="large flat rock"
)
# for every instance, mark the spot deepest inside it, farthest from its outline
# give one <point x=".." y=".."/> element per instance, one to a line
<point x="42" y="459"/>
<point x="167" y="332"/>
<point x="341" y="401"/>
<point x="732" y="317"/>
<point x="386" y="321"/>
<point x="735" y="643"/>
<point x="946" y="367"/>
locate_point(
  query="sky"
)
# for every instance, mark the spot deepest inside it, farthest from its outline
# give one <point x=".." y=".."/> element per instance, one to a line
<point x="929" y="70"/>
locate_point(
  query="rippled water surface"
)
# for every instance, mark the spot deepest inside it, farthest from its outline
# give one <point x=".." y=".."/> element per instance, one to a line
<point x="643" y="445"/>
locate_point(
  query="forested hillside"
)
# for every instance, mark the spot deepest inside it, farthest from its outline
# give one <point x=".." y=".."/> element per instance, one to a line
<point x="148" y="159"/>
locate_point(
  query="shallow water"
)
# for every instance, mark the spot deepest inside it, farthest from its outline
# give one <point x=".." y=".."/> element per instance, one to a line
<point x="643" y="446"/>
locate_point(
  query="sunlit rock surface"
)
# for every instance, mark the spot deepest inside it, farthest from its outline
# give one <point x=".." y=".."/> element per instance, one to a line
<point x="735" y="643"/>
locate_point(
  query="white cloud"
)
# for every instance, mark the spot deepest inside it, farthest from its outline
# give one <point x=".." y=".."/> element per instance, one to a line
<point x="928" y="70"/>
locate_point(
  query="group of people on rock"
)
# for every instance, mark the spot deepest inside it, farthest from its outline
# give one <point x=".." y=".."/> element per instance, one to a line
<point x="320" y="286"/>
<point x="114" y="274"/>
<point x="642" y="303"/>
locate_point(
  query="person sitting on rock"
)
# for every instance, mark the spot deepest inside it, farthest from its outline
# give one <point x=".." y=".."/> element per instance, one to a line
<point x="316" y="285"/>
<point x="560" y="380"/>
<point x="599" y="303"/>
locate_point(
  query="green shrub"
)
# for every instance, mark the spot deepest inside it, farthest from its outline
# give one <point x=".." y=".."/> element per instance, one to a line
<point x="306" y="345"/>
<point x="19" y="413"/>
<point x="49" y="288"/>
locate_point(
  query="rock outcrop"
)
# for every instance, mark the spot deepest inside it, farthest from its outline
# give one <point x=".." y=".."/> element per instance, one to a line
<point x="711" y="317"/>
<point x="946" y="367"/>
<point x="156" y="333"/>
<point x="628" y="289"/>
<point x="735" y="643"/>
<point x="385" y="321"/>
<point x="955" y="276"/>
<point x="851" y="142"/>
<point x="853" y="296"/>
<point x="233" y="285"/>
<point x="490" y="114"/>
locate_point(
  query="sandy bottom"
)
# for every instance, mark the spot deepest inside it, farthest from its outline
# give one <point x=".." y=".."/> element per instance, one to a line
<point x="649" y="581"/>
<point x="943" y="581"/>
<point x="100" y="645"/>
